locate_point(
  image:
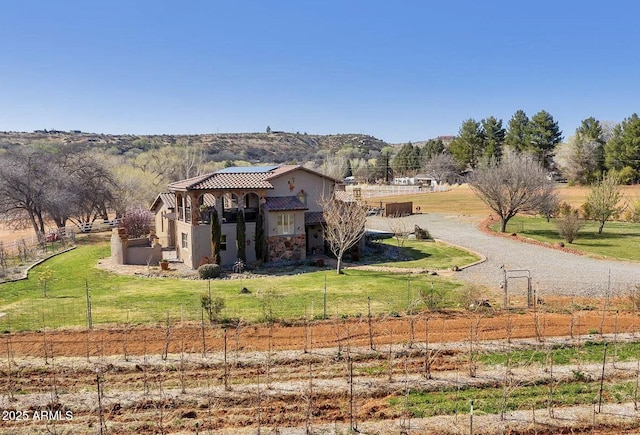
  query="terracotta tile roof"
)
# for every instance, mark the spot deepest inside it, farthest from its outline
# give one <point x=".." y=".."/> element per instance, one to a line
<point x="209" y="200"/>
<point x="233" y="181"/>
<point x="186" y="184"/>
<point x="277" y="203"/>
<point x="169" y="199"/>
<point x="166" y="198"/>
<point x="250" y="177"/>
<point x="314" y="218"/>
<point x="224" y="181"/>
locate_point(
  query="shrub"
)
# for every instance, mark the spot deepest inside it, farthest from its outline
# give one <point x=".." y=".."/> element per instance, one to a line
<point x="137" y="221"/>
<point x="238" y="266"/>
<point x="627" y="175"/>
<point x="634" y="297"/>
<point x="633" y="213"/>
<point x="213" y="306"/>
<point x="433" y="298"/>
<point x="569" y="225"/>
<point x="564" y="209"/>
<point x="421" y="234"/>
<point x="468" y="296"/>
<point x="209" y="271"/>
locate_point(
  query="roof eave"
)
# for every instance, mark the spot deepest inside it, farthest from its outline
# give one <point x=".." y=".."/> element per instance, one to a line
<point x="297" y="167"/>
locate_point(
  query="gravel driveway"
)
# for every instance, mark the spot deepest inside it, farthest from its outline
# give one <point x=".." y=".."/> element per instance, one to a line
<point x="552" y="271"/>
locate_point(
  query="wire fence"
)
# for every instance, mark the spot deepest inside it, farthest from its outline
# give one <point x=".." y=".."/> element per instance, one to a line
<point x="349" y="361"/>
<point x="16" y="256"/>
<point x="55" y="234"/>
<point x="367" y="191"/>
<point x="81" y="307"/>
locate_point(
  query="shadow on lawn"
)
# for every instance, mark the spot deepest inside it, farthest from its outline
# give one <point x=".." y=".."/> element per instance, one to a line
<point x="584" y="237"/>
<point x="374" y="254"/>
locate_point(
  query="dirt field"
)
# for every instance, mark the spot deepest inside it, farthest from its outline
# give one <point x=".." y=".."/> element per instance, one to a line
<point x="325" y="377"/>
<point x="8" y="235"/>
<point x="445" y="328"/>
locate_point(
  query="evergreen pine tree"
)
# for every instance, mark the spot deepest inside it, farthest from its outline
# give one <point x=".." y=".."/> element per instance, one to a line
<point x="216" y="236"/>
<point x="261" y="240"/>
<point x="241" y="237"/>
<point x="545" y="135"/>
<point x="494" y="138"/>
<point x="518" y="132"/>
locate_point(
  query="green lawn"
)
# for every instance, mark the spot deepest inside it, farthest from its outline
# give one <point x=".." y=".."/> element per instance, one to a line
<point x="521" y="397"/>
<point x="619" y="240"/>
<point x="590" y="352"/>
<point x="118" y="298"/>
<point x="429" y="255"/>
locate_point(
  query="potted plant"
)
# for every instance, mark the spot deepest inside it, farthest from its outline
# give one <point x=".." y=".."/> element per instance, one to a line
<point x="164" y="264"/>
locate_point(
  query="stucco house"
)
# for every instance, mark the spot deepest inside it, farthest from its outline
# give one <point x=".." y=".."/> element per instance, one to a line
<point x="289" y="196"/>
<point x="164" y="211"/>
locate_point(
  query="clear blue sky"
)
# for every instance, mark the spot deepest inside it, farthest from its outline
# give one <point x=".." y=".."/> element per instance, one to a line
<point x="398" y="70"/>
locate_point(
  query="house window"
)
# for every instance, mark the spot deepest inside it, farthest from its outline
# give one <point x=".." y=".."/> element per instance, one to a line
<point x="286" y="224"/>
<point x="185" y="240"/>
<point x="302" y="197"/>
<point x="230" y="200"/>
<point x="223" y="242"/>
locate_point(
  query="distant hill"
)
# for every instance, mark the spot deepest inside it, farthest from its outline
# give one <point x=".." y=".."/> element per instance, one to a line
<point x="275" y="147"/>
<point x="445" y="140"/>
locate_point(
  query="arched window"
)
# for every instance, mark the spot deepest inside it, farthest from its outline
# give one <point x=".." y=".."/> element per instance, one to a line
<point x="230" y="201"/>
<point x="230" y="208"/>
<point x="251" y="200"/>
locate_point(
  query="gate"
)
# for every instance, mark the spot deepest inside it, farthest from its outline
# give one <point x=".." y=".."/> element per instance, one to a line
<point x="513" y="275"/>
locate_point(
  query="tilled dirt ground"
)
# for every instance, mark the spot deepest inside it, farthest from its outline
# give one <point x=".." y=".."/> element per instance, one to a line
<point x="321" y="377"/>
<point x="443" y="327"/>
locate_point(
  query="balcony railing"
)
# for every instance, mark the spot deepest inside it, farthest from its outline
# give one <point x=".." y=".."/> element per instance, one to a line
<point x="229" y="216"/>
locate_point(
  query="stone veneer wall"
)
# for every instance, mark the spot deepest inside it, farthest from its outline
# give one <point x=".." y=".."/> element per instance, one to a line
<point x="287" y="248"/>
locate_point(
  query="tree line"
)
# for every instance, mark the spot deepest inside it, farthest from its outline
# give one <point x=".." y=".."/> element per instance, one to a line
<point x="595" y="148"/>
<point x="60" y="182"/>
<point x="46" y="183"/>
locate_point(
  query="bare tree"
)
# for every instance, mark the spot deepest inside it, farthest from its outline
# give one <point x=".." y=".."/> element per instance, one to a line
<point x="515" y="184"/>
<point x="549" y="205"/>
<point x="400" y="229"/>
<point x="24" y="183"/>
<point x="133" y="186"/>
<point x="603" y="202"/>
<point x="357" y="165"/>
<point x="344" y="225"/>
<point x="441" y="167"/>
<point x="82" y="189"/>
<point x="334" y="165"/>
<point x="191" y="163"/>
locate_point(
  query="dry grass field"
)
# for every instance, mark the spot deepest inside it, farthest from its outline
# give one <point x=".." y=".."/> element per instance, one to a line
<point x="462" y="200"/>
